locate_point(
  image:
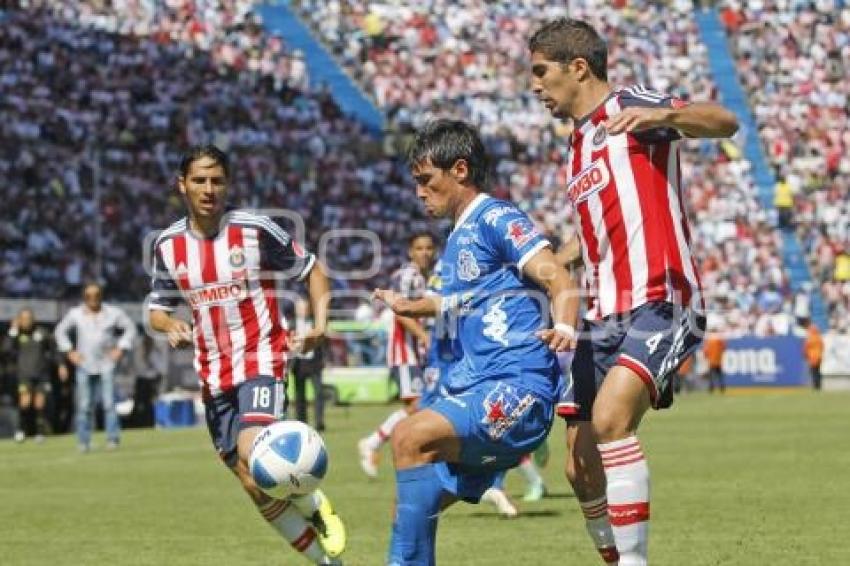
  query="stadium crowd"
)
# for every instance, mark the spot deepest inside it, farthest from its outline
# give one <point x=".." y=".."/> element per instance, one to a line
<point x="121" y="127"/>
<point x="793" y="61"/>
<point x="469" y="59"/>
<point x="211" y="74"/>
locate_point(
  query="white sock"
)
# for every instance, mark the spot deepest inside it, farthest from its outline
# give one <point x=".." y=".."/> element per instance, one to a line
<point x="599" y="528"/>
<point x="385" y="431"/>
<point x="306" y="504"/>
<point x="628" y="498"/>
<point x="287" y="521"/>
<point x="529" y="471"/>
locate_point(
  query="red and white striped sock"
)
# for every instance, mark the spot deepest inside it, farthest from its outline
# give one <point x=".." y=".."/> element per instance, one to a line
<point x="385" y="431"/>
<point x="287" y="521"/>
<point x="628" y="498"/>
<point x="599" y="528"/>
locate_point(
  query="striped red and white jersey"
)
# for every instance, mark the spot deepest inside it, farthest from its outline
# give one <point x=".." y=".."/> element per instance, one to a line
<point x="626" y="192"/>
<point x="229" y="281"/>
<point x="402" y="348"/>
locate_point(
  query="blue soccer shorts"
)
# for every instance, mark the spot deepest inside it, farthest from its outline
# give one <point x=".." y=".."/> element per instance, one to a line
<point x="498" y="423"/>
<point x="652" y="340"/>
<point x="258" y="401"/>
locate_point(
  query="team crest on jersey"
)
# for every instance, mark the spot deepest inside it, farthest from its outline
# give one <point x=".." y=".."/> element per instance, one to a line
<point x="589" y="181"/>
<point x="520" y="233"/>
<point x="237" y="257"/>
<point x="599" y="137"/>
<point x="503" y="408"/>
<point x="467" y="266"/>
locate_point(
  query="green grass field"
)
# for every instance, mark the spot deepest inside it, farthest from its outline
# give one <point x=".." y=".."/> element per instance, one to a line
<point x="739" y="480"/>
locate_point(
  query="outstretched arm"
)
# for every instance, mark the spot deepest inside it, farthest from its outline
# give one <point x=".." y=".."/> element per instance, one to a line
<point x="426" y="306"/>
<point x="696" y="120"/>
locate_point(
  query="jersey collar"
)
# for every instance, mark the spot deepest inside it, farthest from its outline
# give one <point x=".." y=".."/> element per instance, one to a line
<point x="590" y="118"/>
<point x="470" y="208"/>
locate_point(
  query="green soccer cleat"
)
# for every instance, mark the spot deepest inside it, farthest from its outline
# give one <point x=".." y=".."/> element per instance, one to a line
<point x="329" y="527"/>
<point x="535" y="492"/>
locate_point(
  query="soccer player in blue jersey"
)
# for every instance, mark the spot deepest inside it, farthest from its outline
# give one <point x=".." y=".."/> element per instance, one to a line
<point x="443" y="352"/>
<point x="500" y="280"/>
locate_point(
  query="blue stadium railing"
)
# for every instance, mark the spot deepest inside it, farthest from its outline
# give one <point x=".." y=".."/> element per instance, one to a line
<point x="279" y="18"/>
<point x="725" y="76"/>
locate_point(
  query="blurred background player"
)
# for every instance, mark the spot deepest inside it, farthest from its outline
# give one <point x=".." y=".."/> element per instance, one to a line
<point x="713" y="348"/>
<point x="645" y="309"/>
<point x="501" y="393"/>
<point x="104" y="333"/>
<point x="408" y="343"/>
<point x="224" y="264"/>
<point x="813" y="351"/>
<point x="308" y="367"/>
<point x="31" y="354"/>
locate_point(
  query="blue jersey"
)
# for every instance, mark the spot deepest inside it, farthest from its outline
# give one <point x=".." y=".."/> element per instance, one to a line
<point x="493" y="311"/>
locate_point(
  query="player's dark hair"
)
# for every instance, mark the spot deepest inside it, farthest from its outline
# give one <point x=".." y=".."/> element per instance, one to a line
<point x="420" y="234"/>
<point x="200" y="151"/>
<point x="566" y="39"/>
<point x="445" y="142"/>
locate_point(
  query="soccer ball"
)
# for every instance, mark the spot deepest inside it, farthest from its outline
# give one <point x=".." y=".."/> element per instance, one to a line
<point x="288" y="458"/>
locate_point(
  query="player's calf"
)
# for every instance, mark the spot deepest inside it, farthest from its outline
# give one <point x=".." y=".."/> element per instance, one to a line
<point x="585" y="473"/>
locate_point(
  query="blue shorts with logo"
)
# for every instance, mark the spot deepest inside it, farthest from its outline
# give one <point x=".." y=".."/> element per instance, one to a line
<point x="652" y="340"/>
<point x="258" y="401"/>
<point x="432" y="384"/>
<point x="498" y="423"/>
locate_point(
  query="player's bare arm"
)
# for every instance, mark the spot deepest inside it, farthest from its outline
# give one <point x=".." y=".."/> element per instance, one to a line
<point x="318" y="288"/>
<point x="179" y="332"/>
<point x="562" y="289"/>
<point x="413" y="326"/>
<point x="697" y="120"/>
<point x="569" y="254"/>
<point x="425" y="306"/>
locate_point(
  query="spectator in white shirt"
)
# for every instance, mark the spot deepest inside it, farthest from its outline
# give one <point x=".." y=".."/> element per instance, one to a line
<point x="98" y="350"/>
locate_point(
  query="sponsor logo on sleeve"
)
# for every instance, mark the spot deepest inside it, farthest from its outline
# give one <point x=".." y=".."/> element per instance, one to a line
<point x="520" y="232"/>
<point x="492" y="216"/>
<point x="589" y="181"/>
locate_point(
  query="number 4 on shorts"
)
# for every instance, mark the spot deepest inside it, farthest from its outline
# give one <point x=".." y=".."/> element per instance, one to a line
<point x="653" y="341"/>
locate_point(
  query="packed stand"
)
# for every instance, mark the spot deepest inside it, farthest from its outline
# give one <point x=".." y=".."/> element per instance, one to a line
<point x="469" y="59"/>
<point x="793" y="62"/>
<point x="70" y="124"/>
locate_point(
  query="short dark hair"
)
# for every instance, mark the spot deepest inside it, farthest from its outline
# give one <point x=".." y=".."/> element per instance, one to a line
<point x="200" y="151"/>
<point x="420" y="234"/>
<point x="565" y="39"/>
<point x="446" y="141"/>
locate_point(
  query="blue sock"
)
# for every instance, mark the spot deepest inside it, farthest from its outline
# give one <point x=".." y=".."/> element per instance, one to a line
<point x="417" y="508"/>
<point x="499" y="480"/>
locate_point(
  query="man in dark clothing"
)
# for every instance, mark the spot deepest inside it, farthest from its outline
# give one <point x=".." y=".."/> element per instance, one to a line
<point x="31" y="353"/>
<point x="308" y="367"/>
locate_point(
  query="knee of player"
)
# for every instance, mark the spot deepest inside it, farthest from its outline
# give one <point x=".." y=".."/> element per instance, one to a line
<point x="610" y="425"/>
<point x="408" y="439"/>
